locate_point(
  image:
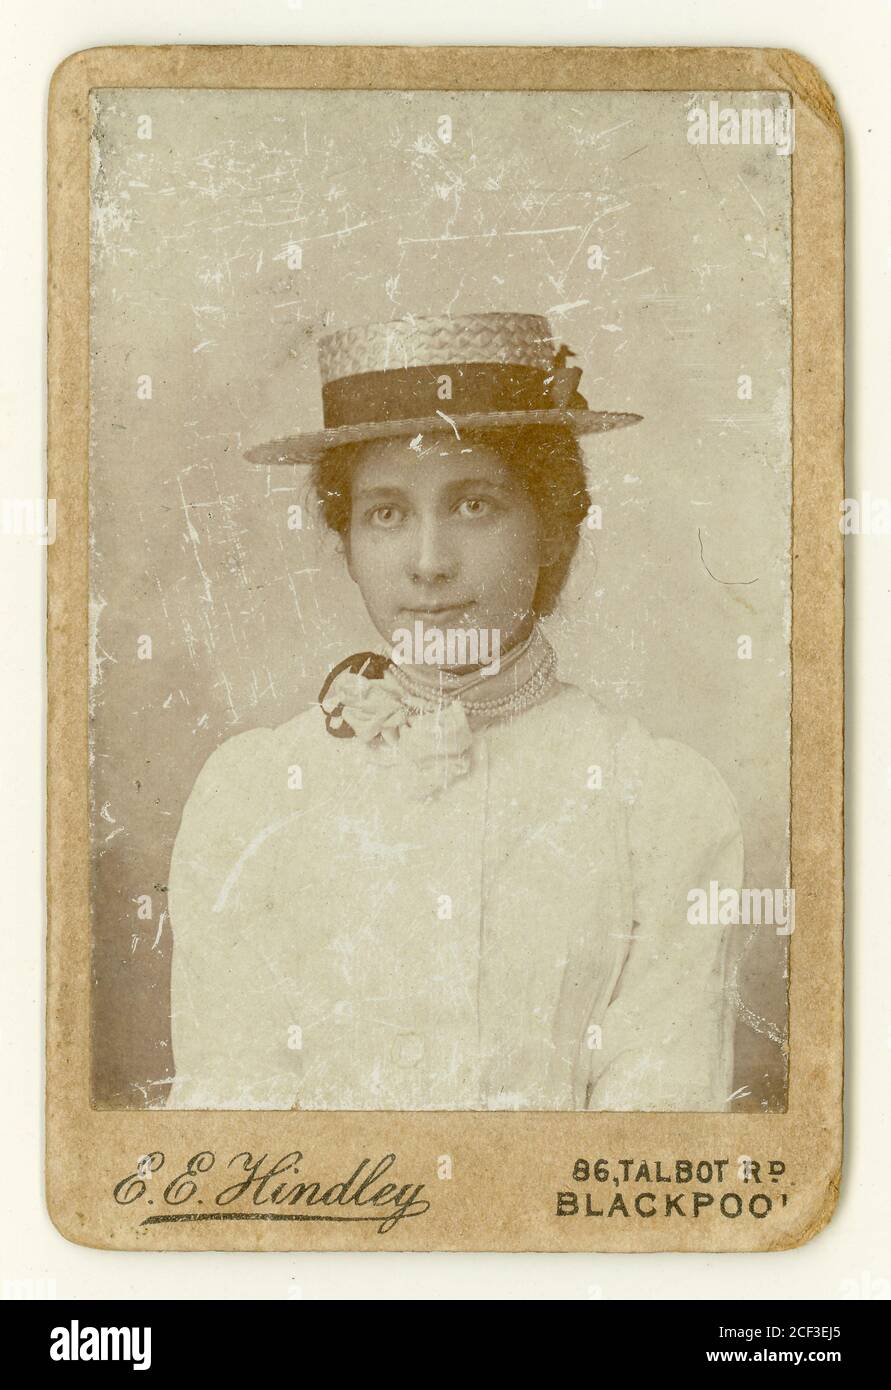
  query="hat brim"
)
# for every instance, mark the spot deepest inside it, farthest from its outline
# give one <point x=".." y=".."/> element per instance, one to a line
<point x="308" y="448"/>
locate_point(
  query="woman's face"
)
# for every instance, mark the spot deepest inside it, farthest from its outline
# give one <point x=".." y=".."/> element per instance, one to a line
<point x="445" y="535"/>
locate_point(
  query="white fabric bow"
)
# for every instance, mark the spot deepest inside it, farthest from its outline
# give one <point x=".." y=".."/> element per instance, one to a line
<point x="432" y="749"/>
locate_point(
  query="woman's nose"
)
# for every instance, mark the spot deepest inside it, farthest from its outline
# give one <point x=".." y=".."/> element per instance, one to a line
<point x="431" y="557"/>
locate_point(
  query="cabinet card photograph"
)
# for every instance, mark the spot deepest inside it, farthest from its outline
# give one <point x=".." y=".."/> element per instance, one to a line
<point x="440" y="544"/>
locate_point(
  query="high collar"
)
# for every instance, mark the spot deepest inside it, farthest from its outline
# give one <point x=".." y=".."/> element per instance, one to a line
<point x="507" y="681"/>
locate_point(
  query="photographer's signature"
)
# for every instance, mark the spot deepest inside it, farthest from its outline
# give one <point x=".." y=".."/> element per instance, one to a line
<point x="270" y="1190"/>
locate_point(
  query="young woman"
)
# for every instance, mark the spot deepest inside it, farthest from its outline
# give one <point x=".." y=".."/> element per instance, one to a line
<point x="452" y="884"/>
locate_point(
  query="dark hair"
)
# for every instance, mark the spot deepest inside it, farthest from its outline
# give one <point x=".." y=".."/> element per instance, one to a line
<point x="547" y="461"/>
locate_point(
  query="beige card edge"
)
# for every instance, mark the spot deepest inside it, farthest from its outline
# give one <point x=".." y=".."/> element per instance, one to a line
<point x="508" y="1168"/>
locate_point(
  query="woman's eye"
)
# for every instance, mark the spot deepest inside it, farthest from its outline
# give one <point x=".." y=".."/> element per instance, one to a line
<point x="385" y="516"/>
<point x="474" y="506"/>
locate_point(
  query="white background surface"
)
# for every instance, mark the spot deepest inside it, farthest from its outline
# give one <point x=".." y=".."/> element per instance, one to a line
<point x="851" y="45"/>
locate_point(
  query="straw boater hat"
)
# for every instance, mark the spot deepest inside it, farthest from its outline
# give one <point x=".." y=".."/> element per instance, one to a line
<point x="423" y="375"/>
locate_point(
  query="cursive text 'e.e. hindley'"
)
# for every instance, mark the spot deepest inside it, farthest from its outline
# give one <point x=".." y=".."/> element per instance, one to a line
<point x="263" y="1192"/>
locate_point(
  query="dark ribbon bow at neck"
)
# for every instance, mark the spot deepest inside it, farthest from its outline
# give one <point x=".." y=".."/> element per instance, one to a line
<point x="372" y="665"/>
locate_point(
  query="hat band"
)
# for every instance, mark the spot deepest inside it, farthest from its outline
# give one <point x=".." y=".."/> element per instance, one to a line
<point x="453" y="388"/>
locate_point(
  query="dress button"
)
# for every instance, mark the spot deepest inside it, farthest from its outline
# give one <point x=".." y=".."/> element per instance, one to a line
<point x="408" y="1049"/>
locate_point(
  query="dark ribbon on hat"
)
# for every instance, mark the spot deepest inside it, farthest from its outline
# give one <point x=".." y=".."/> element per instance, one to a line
<point x="454" y="388"/>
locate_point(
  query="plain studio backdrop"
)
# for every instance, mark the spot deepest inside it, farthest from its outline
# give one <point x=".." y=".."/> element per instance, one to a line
<point x="230" y="230"/>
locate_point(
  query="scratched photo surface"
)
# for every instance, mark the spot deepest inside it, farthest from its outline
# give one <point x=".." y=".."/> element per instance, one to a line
<point x="285" y="918"/>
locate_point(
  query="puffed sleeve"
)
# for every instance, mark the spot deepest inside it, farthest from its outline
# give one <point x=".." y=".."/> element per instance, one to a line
<point x="667" y="1034"/>
<point x="229" y="1023"/>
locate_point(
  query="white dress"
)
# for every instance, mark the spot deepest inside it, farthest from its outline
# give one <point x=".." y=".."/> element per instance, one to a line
<point x="518" y="940"/>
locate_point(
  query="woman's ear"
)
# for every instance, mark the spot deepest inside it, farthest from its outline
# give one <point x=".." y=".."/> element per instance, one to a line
<point x="344" y="539"/>
<point x="550" y="551"/>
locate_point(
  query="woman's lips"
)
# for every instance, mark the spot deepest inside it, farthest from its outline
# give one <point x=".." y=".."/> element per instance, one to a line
<point x="437" y="615"/>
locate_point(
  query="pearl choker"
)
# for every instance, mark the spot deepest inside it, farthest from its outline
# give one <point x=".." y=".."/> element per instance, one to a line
<point x="536" y="685"/>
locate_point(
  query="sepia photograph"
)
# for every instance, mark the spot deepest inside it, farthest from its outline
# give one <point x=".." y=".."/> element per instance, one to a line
<point x="440" y="589"/>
